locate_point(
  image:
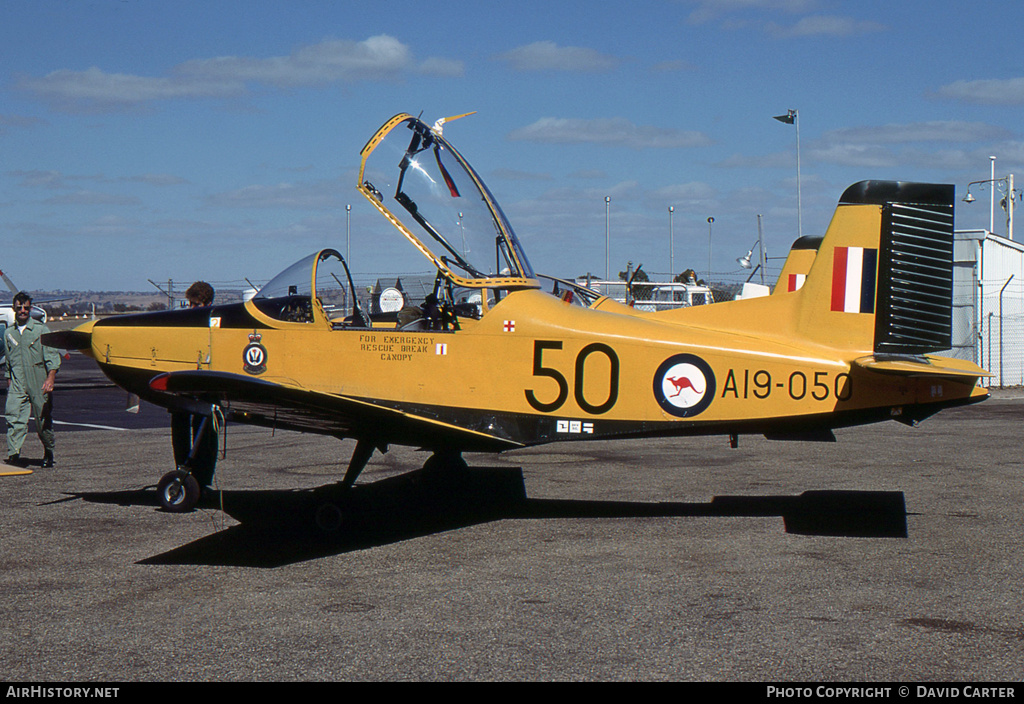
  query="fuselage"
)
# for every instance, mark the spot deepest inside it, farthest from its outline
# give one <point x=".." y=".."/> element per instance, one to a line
<point x="534" y="369"/>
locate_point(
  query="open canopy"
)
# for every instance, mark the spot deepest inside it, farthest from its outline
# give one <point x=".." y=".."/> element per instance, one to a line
<point x="426" y="189"/>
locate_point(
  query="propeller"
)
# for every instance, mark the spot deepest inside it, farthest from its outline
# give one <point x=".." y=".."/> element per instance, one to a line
<point x="68" y="339"/>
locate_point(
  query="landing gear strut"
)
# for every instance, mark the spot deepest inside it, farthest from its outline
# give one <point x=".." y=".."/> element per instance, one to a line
<point x="336" y="508"/>
<point x="194" y="440"/>
<point x="330" y="515"/>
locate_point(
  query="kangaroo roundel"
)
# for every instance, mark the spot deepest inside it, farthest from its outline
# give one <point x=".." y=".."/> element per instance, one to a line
<point x="684" y="385"/>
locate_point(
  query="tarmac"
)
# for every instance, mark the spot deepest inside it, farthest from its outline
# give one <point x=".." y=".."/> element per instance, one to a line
<point x="893" y="555"/>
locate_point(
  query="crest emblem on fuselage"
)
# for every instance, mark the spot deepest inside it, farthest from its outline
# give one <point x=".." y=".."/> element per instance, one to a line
<point x="684" y="385"/>
<point x="254" y="356"/>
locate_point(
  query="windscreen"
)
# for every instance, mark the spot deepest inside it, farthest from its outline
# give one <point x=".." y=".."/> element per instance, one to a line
<point x="289" y="295"/>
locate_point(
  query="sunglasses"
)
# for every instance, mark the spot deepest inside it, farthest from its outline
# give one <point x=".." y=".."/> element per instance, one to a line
<point x="22" y="306"/>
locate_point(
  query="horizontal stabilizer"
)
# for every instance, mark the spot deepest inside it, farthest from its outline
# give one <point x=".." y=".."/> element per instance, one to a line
<point x="922" y="366"/>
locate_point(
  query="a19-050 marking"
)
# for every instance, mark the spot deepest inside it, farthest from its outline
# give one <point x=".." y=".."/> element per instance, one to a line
<point x="797" y="385"/>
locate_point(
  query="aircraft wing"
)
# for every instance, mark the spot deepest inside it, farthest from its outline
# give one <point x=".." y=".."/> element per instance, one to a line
<point x="953" y="369"/>
<point x="259" y="402"/>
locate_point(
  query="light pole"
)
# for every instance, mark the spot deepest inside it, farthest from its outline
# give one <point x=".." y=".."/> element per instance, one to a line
<point x="607" y="237"/>
<point x="992" y="203"/>
<point x="745" y="262"/>
<point x="1009" y="200"/>
<point x="348" y="251"/>
<point x="711" y="221"/>
<point x="792" y="117"/>
<point x="671" y="246"/>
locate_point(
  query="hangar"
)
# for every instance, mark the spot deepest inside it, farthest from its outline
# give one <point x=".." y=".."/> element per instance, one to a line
<point x="988" y="304"/>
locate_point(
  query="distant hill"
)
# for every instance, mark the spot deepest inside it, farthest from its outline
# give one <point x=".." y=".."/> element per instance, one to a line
<point x="64" y="302"/>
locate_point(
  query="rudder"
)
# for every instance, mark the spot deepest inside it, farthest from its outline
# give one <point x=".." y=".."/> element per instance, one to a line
<point x="882" y="280"/>
<point x="798" y="263"/>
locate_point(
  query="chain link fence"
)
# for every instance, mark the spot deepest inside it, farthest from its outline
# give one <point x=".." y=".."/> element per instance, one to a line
<point x="988" y="329"/>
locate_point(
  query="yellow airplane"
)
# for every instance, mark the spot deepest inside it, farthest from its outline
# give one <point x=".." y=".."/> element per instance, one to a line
<point x="499" y="358"/>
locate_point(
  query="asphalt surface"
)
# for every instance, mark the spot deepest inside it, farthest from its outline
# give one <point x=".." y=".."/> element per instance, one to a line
<point x="679" y="559"/>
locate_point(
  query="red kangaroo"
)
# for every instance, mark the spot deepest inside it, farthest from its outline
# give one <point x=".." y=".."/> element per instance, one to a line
<point x="682" y="383"/>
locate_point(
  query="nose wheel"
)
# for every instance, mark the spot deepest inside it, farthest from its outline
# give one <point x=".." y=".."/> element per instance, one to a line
<point x="178" y="491"/>
<point x="194" y="439"/>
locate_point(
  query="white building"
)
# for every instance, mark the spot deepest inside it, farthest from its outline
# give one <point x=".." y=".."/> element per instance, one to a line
<point x="988" y="304"/>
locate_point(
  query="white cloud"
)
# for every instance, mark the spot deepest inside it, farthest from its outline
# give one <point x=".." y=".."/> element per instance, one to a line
<point x="157" y="179"/>
<point x="1009" y="91"/>
<point x="442" y="67"/>
<point x="673" y="66"/>
<point x="19" y="121"/>
<point x="548" y="56"/>
<point x="823" y="25"/>
<point x="615" y="132"/>
<point x="96" y="88"/>
<point x="765" y="161"/>
<point x="54" y="180"/>
<point x="322" y="195"/>
<point x="861" y="155"/>
<point x="38" y="178"/>
<point x="377" y="58"/>
<point x="685" y="195"/>
<point x="92" y="198"/>
<point x="329" y="61"/>
<point x="518" y="175"/>
<point x="934" y="131"/>
<point x="708" y="10"/>
<point x="892" y="145"/>
<point x="737" y="14"/>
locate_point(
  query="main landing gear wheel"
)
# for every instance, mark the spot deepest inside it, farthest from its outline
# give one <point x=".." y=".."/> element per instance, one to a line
<point x="445" y="464"/>
<point x="178" y="491"/>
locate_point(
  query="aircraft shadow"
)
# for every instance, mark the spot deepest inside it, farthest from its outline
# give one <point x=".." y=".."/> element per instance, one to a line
<point x="281" y="527"/>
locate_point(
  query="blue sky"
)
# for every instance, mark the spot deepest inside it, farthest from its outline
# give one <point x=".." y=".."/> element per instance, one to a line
<point x="146" y="139"/>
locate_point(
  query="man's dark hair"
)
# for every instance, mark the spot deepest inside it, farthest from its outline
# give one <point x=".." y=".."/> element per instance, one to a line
<point x="22" y="297"/>
<point x="200" y="293"/>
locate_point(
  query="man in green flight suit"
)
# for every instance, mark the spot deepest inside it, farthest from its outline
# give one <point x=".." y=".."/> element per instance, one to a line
<point x="31" y="370"/>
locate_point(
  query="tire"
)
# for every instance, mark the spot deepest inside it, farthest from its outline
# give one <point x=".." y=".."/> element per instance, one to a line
<point x="445" y="463"/>
<point x="178" y="492"/>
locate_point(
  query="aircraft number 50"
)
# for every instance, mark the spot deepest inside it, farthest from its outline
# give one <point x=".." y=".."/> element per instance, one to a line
<point x="563" y="385"/>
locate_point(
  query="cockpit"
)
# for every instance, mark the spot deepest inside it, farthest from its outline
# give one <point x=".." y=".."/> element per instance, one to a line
<point x="317" y="287"/>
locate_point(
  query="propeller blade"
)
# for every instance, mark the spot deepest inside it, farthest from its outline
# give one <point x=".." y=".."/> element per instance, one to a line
<point x="68" y="340"/>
